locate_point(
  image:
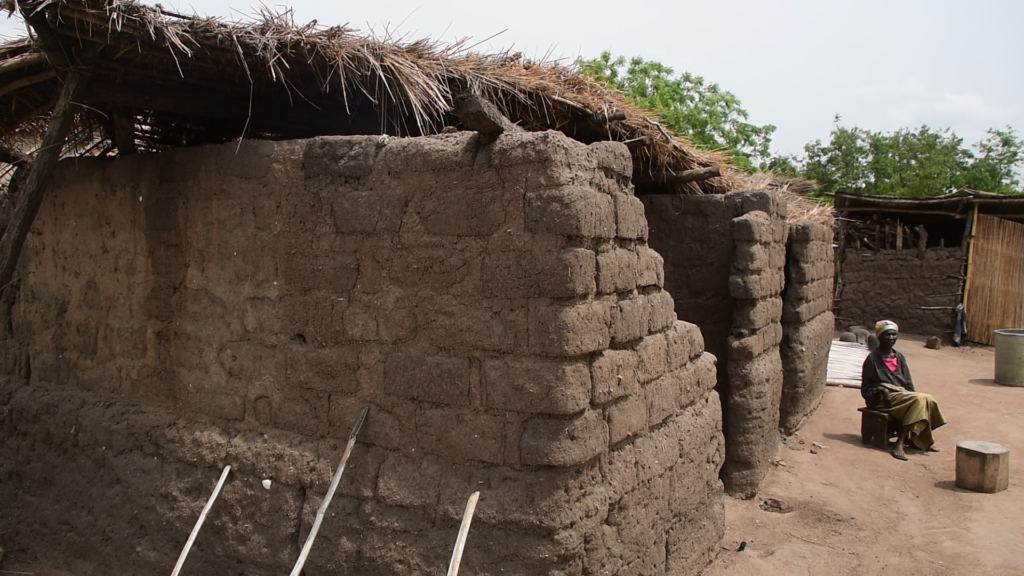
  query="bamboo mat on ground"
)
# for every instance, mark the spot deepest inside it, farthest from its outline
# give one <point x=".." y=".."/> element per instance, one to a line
<point x="844" y="364"/>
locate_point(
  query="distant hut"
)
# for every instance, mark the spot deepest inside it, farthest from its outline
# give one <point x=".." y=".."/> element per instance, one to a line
<point x="916" y="260"/>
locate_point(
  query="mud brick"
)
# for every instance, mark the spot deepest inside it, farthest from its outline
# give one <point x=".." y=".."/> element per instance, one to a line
<point x="652" y="353"/>
<point x="614" y="375"/>
<point x="538" y="386"/>
<point x="650" y="267"/>
<point x="458" y="211"/>
<point x="630" y="320"/>
<point x="626" y="418"/>
<point x="532" y="274"/>
<point x="630" y="220"/>
<point x="410" y="482"/>
<point x="755" y="314"/>
<point x="617" y="271"/>
<point x="339" y="157"/>
<point x="568" y="330"/>
<point x="564" y="442"/>
<point x="662" y="311"/>
<point x="461" y="435"/>
<point x="571" y="211"/>
<point x="376" y="212"/>
<point x="437" y="379"/>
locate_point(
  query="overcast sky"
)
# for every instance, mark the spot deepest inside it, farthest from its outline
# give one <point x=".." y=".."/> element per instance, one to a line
<point x="879" y="64"/>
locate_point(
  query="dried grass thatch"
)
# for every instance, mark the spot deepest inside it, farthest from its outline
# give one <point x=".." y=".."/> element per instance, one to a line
<point x="802" y="208"/>
<point x="162" y="80"/>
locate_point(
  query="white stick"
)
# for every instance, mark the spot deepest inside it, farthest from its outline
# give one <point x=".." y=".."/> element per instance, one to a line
<point x="199" y="523"/>
<point x="460" y="542"/>
<point x="330" y="494"/>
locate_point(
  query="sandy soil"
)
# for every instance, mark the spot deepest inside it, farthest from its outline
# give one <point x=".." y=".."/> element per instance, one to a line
<point x="856" y="510"/>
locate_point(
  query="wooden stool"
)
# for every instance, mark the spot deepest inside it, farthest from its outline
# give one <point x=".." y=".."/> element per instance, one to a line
<point x="982" y="466"/>
<point x="877" y="427"/>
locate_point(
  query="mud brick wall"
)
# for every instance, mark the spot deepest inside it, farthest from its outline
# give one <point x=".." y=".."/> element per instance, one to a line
<point x="899" y="285"/>
<point x="751" y="418"/>
<point x="724" y="266"/>
<point x="496" y="306"/>
<point x="807" y="321"/>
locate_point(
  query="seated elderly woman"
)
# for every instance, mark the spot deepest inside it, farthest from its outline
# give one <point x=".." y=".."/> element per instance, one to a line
<point x="886" y="386"/>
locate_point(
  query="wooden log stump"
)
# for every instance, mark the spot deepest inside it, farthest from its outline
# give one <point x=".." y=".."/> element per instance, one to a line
<point x="982" y="466"/>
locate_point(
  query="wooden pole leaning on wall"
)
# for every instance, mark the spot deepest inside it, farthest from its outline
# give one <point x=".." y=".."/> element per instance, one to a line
<point x="970" y="255"/>
<point x="31" y="197"/>
<point x="199" y="523"/>
<point x="330" y="494"/>
<point x="460" y="541"/>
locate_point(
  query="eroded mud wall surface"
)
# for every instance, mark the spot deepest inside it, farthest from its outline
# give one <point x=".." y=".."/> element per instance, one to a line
<point x="917" y="290"/>
<point x="496" y="306"/>
<point x="807" y="321"/>
<point x="724" y="266"/>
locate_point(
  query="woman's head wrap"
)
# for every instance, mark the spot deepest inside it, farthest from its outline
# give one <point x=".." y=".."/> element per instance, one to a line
<point x="883" y="325"/>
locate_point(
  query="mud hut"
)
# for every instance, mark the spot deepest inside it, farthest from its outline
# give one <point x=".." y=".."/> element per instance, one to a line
<point x="917" y="259"/>
<point x="256" y="230"/>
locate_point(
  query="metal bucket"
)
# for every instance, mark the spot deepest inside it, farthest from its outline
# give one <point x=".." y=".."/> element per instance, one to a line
<point x="1010" y="357"/>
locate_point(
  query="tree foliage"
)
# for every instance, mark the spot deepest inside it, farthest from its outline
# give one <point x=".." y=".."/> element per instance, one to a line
<point x="687" y="105"/>
<point x="909" y="162"/>
<point x="914" y="163"/>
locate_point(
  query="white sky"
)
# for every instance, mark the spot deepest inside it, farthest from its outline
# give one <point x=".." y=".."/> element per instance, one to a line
<point x="880" y="64"/>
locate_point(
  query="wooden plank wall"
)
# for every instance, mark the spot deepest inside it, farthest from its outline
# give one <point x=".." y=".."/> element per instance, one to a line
<point x="995" y="295"/>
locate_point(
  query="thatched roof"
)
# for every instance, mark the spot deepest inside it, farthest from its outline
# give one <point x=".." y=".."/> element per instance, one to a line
<point x="797" y="194"/>
<point x="959" y="204"/>
<point x="161" y="80"/>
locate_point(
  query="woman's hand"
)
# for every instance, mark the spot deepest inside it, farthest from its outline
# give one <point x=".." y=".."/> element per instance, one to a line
<point x="886" y="395"/>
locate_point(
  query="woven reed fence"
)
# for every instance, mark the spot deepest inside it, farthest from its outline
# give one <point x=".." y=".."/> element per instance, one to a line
<point x="995" y="289"/>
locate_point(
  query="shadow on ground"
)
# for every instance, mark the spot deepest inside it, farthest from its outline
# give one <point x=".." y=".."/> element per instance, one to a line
<point x="851" y="439"/>
<point x="951" y="486"/>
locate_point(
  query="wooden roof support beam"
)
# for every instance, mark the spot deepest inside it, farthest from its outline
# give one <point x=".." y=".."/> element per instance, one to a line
<point x="480" y="115"/>
<point x="40" y="171"/>
<point x="606" y="118"/>
<point x="641" y="142"/>
<point x="23" y="61"/>
<point x="908" y="210"/>
<point x="27" y="81"/>
<point x="684" y="177"/>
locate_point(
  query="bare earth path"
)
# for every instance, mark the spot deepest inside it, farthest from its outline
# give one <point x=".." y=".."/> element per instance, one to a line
<point x="858" y="511"/>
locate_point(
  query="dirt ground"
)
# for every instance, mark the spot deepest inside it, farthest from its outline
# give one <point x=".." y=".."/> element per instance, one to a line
<point x="856" y="510"/>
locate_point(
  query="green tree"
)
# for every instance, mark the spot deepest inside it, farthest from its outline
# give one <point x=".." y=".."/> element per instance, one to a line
<point x="838" y="165"/>
<point x="913" y="163"/>
<point x="687" y="105"/>
<point x="916" y="164"/>
<point x="998" y="157"/>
